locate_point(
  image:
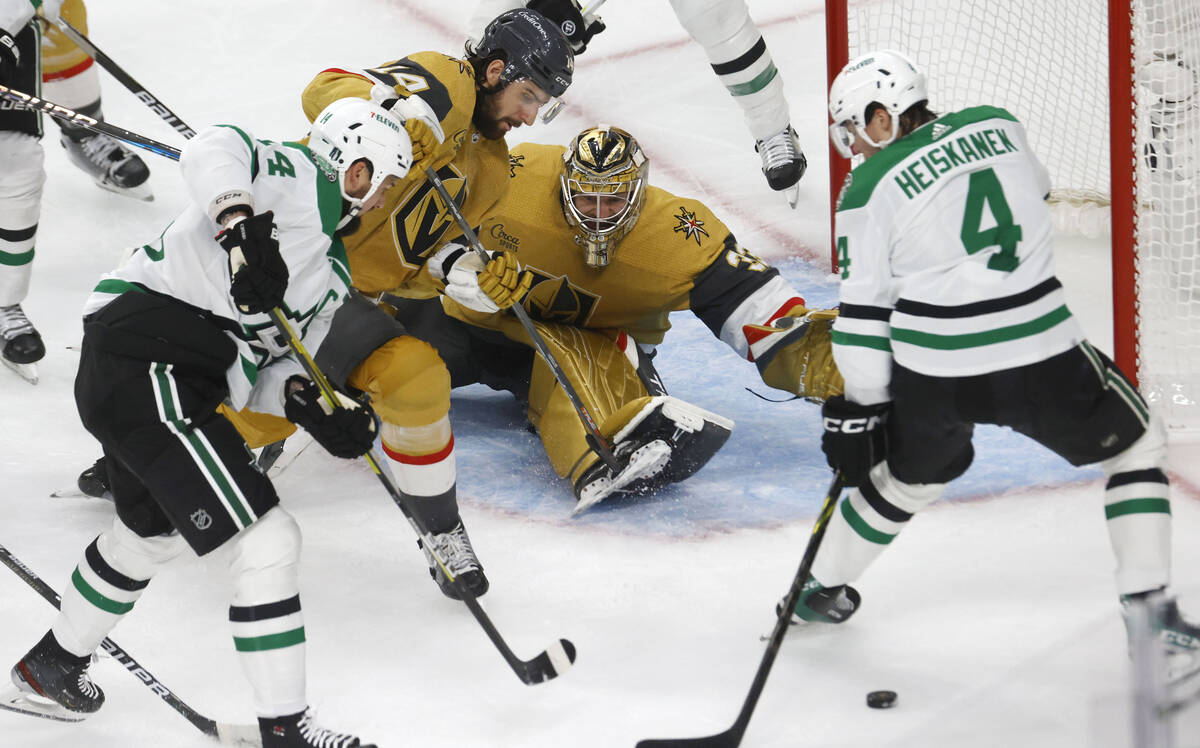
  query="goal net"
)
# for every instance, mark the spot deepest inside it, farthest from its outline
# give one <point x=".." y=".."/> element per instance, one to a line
<point x="1049" y="63"/>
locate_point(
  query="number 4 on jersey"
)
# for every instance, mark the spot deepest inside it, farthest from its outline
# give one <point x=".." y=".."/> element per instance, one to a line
<point x="984" y="189"/>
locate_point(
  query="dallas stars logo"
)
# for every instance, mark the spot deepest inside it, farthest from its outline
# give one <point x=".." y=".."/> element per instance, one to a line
<point x="691" y="226"/>
<point x="514" y="163"/>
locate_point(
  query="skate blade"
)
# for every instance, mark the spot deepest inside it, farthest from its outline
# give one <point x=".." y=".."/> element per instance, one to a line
<point x="644" y="463"/>
<point x="141" y="192"/>
<point x="75" y="493"/>
<point x="793" y="194"/>
<point x="28" y="372"/>
<point x="295" y="446"/>
<point x="15" y="700"/>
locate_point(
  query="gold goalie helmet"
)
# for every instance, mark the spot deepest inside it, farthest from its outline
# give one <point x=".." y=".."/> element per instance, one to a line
<point x="603" y="189"/>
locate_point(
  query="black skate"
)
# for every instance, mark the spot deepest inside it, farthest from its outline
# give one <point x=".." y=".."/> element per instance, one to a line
<point x="94" y="481"/>
<point x="783" y="162"/>
<point x="110" y="163"/>
<point x="299" y="731"/>
<point x="51" y="682"/>
<point x="22" y="345"/>
<point x="454" y="548"/>
<point x="819" y="604"/>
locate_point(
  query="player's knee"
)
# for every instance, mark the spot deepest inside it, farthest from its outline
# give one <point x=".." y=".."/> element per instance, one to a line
<point x="135" y="556"/>
<point x="1149" y="451"/>
<point x="407" y="380"/>
<point x="263" y="558"/>
<point x="907" y="497"/>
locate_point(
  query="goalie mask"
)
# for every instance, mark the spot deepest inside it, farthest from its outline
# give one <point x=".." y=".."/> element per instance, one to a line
<point x="603" y="189"/>
<point x="351" y="129"/>
<point x="885" y="77"/>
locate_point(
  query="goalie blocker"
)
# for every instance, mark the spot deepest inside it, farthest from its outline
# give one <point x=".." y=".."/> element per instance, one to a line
<point x="666" y="441"/>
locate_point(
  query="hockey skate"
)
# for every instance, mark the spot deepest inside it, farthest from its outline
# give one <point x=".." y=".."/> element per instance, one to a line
<point x="783" y="163"/>
<point x="819" y="604"/>
<point x="23" y="345"/>
<point x="51" y="682"/>
<point x="110" y="163"/>
<point x="300" y="731"/>
<point x="454" y="548"/>
<point x="666" y="442"/>
<point x="1179" y="637"/>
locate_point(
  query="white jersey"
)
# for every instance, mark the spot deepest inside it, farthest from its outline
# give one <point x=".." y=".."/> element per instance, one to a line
<point x="187" y="263"/>
<point x="944" y="244"/>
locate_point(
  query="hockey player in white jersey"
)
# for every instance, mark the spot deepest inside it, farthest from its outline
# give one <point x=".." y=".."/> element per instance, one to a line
<point x="181" y="326"/>
<point x="737" y="53"/>
<point x="951" y="315"/>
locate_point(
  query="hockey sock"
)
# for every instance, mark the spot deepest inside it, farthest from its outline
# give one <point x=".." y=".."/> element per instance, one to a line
<point x="1138" y="514"/>
<point x="425" y="470"/>
<point x="110" y="578"/>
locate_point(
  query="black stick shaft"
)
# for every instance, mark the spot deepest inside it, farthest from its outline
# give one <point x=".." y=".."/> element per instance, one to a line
<point x="73" y="117"/>
<point x="733" y="736"/>
<point x="594" y="438"/>
<point x="202" y="723"/>
<point x="143" y="95"/>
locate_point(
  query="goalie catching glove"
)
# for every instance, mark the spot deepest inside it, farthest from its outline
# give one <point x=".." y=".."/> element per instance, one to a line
<point x="259" y="274"/>
<point x="855" y="437"/>
<point x="482" y="288"/>
<point x="345" y="431"/>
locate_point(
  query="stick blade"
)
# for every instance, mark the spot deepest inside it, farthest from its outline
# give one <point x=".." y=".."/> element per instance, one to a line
<point x="556" y="660"/>
<point x="242" y="736"/>
<point x="731" y="738"/>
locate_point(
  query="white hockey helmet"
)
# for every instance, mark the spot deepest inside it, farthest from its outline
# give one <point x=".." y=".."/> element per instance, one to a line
<point x="886" y="77"/>
<point x="351" y="129"/>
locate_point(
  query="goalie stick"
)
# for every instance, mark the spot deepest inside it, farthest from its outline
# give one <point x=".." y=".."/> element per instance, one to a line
<point x="227" y="734"/>
<point x="116" y="71"/>
<point x="595" y="439"/>
<point x="551" y="662"/>
<point x="732" y="737"/>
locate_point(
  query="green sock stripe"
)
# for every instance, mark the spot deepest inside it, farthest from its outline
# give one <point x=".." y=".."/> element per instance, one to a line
<point x="16" y="259"/>
<point x="269" y="641"/>
<point x="107" y="604"/>
<point x="1137" y="506"/>
<point x="756" y="84"/>
<point x="861" y="527"/>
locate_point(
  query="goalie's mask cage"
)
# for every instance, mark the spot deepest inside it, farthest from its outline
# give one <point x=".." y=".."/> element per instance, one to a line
<point x="1126" y="74"/>
<point x="603" y="163"/>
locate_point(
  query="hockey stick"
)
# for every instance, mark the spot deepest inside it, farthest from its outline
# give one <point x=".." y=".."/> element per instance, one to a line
<point x="589" y="13"/>
<point x="116" y="71"/>
<point x="238" y="735"/>
<point x="733" y="736"/>
<point x="91" y="123"/>
<point x="594" y="438"/>
<point x="550" y="663"/>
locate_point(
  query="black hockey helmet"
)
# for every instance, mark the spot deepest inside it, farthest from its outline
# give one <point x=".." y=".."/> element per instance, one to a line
<point x="532" y="47"/>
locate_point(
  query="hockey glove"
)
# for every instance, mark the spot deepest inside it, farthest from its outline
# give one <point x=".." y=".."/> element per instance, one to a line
<point x="568" y="16"/>
<point x="481" y="288"/>
<point x="855" y="437"/>
<point x="10" y="57"/>
<point x="345" y="431"/>
<point x="260" y="276"/>
<point x="420" y="121"/>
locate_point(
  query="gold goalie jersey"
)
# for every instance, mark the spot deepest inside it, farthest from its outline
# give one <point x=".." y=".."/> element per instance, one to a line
<point x="389" y="249"/>
<point x="678" y="256"/>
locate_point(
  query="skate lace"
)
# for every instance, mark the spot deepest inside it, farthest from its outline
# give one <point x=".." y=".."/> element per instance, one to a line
<point x="454" y="548"/>
<point x="86" y="686"/>
<point x="320" y="737"/>
<point x="14" y="323"/>
<point x="105" y="152"/>
<point x="778" y="150"/>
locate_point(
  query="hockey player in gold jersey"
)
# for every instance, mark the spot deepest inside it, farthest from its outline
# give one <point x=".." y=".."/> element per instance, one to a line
<point x="611" y="256"/>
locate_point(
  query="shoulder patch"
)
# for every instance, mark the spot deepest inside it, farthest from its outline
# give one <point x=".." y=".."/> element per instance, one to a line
<point x="515" y="162"/>
<point x="690" y="226"/>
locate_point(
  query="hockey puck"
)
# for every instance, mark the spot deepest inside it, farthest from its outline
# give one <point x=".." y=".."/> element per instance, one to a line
<point x="881" y="699"/>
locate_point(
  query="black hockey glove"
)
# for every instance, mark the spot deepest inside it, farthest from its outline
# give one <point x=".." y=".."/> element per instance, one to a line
<point x="346" y="431"/>
<point x="10" y="57"/>
<point x="260" y="276"/>
<point x="855" y="437"/>
<point x="568" y="16"/>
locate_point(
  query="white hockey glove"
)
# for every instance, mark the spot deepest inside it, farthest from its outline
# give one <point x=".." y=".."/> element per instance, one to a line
<point x="412" y="108"/>
<point x="482" y="288"/>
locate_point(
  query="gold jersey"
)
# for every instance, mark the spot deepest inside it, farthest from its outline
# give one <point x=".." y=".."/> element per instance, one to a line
<point x="678" y="256"/>
<point x="389" y="249"/>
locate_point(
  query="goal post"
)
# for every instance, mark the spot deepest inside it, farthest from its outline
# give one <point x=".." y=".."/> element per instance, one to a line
<point x="1109" y="92"/>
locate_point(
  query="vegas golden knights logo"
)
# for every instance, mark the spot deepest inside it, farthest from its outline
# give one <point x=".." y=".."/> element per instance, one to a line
<point x="555" y="299"/>
<point x="421" y="218"/>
